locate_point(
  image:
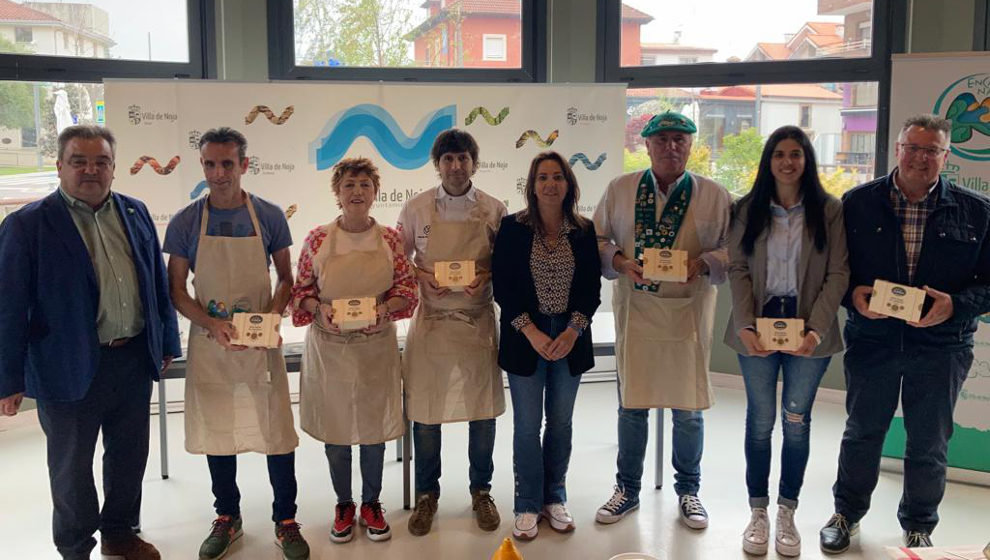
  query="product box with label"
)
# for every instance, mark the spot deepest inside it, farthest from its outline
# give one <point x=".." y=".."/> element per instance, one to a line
<point x="455" y="275"/>
<point x="780" y="334"/>
<point x="258" y="330"/>
<point x="351" y="314"/>
<point x="665" y="265"/>
<point x="895" y="300"/>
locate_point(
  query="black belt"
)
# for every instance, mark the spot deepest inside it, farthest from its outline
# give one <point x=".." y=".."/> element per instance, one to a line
<point x="116" y="343"/>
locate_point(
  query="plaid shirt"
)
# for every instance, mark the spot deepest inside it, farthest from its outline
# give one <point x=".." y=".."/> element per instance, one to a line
<point x="913" y="216"/>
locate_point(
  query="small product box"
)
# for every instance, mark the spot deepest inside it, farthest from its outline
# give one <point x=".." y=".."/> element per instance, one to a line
<point x="780" y="334"/>
<point x="665" y="265"/>
<point x="351" y="314"/>
<point x="896" y="300"/>
<point x="257" y="330"/>
<point x="455" y="275"/>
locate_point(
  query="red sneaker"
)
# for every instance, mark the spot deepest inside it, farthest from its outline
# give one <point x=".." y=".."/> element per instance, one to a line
<point x="343" y="523"/>
<point x="373" y="517"/>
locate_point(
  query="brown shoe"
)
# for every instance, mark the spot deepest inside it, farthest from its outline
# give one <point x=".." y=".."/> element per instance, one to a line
<point x="422" y="517"/>
<point x="128" y="548"/>
<point x="484" y="507"/>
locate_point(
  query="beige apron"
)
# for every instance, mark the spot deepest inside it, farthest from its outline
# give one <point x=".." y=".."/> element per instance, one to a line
<point x="663" y="340"/>
<point x="450" y="362"/>
<point x="351" y="387"/>
<point x="236" y="401"/>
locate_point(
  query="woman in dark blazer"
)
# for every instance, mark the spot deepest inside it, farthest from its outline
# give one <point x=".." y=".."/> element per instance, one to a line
<point x="546" y="274"/>
<point x="787" y="259"/>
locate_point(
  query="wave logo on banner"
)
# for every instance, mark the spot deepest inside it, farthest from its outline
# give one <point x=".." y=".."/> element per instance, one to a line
<point x="153" y="163"/>
<point x="535" y="136"/>
<point x="591" y="166"/>
<point x="483" y="112"/>
<point x="377" y="124"/>
<point x="966" y="102"/>
<point x="263" y="109"/>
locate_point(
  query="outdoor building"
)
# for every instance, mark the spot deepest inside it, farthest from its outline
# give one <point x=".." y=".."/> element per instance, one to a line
<point x="55" y="28"/>
<point x="486" y="34"/>
<point x="653" y="54"/>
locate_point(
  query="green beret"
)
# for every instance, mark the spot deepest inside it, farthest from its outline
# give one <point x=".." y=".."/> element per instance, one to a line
<point x="668" y="120"/>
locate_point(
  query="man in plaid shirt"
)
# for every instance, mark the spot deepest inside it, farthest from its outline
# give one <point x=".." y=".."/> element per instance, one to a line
<point x="915" y="228"/>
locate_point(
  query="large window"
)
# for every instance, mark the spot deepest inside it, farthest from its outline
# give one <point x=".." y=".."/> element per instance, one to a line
<point x="491" y="40"/>
<point x="743" y="71"/>
<point x="735" y="31"/>
<point x="54" y="56"/>
<point x="95" y="39"/>
<point x="734" y="121"/>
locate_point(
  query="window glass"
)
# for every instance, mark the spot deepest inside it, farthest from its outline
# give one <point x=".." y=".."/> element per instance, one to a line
<point x="734" y="121"/>
<point x="666" y="32"/>
<point x="408" y="33"/>
<point x="117" y="29"/>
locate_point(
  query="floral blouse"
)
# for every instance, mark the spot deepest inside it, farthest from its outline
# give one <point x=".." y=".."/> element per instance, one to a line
<point x="553" y="272"/>
<point x="403" y="278"/>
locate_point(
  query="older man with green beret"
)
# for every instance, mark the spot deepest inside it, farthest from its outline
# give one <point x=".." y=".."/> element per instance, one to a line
<point x="663" y="329"/>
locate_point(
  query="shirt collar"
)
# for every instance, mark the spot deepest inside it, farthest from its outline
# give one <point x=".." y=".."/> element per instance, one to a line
<point x="779" y="210"/>
<point x="74" y="202"/>
<point x="471" y="194"/>
<point x="656" y="182"/>
<point x="896" y="187"/>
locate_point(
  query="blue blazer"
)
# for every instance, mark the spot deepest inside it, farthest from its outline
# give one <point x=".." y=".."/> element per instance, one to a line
<point x="49" y="347"/>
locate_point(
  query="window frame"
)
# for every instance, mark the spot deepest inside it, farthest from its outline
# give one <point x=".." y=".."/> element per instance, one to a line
<point x="889" y="34"/>
<point x="981" y="26"/>
<point x="49" y="68"/>
<point x="282" y="63"/>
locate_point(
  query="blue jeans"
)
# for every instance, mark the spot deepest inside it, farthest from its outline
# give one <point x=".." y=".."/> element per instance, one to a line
<point x="688" y="440"/>
<point x="281" y="474"/>
<point x="801" y="378"/>
<point x="540" y="470"/>
<point x="372" y="465"/>
<point x="481" y="446"/>
<point x="928" y="383"/>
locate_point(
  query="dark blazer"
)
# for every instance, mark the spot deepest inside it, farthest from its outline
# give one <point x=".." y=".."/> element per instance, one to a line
<point x="955" y="258"/>
<point x="50" y="348"/>
<point x="822" y="278"/>
<point x="515" y="293"/>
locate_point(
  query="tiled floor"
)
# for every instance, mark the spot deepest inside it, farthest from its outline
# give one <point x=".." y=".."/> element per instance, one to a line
<point x="177" y="512"/>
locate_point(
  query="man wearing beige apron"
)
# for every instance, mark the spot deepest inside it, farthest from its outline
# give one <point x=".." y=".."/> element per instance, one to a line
<point x="237" y="399"/>
<point x="450" y="364"/>
<point x="663" y="330"/>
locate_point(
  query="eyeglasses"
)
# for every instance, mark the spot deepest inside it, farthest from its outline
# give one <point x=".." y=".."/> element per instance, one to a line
<point x="930" y="151"/>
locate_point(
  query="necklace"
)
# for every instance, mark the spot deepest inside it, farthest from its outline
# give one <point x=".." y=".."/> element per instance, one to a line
<point x="366" y="227"/>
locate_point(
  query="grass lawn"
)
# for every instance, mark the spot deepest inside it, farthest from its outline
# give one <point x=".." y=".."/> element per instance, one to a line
<point x="20" y="170"/>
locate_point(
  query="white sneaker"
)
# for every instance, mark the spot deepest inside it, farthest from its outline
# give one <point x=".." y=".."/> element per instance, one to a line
<point x="526" y="526"/>
<point x="693" y="514"/>
<point x="757" y="533"/>
<point x="560" y="519"/>
<point x="788" y="540"/>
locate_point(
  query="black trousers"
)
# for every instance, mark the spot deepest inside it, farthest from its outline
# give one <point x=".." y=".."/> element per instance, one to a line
<point x="117" y="404"/>
<point x="928" y="384"/>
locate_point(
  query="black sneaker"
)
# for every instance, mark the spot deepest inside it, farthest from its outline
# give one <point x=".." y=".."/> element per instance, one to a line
<point x="834" y="536"/>
<point x="917" y="539"/>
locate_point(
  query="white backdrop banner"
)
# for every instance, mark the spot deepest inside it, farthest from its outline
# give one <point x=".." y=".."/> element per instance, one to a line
<point x="955" y="86"/>
<point x="297" y="132"/>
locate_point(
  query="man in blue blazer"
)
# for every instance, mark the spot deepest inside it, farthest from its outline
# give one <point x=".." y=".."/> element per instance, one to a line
<point x="87" y="324"/>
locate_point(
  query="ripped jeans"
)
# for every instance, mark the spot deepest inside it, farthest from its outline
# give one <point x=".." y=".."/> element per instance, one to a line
<point x="801" y="378"/>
